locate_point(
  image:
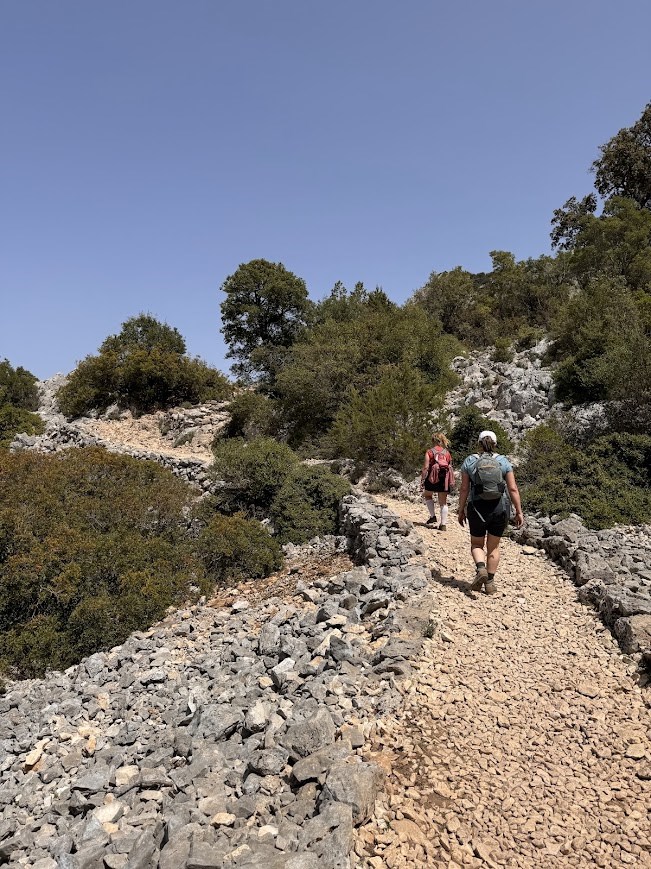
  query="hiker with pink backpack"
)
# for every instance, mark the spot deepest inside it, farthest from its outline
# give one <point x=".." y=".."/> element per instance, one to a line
<point x="437" y="475"/>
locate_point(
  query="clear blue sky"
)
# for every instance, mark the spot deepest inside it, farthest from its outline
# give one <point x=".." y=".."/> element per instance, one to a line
<point x="149" y="147"/>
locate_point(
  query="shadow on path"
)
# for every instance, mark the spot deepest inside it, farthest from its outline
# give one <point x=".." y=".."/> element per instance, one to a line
<point x="452" y="582"/>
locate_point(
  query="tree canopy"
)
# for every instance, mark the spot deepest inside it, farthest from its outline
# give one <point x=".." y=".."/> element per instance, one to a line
<point x="143" y="368"/>
<point x="266" y="307"/>
<point x="624" y="167"/>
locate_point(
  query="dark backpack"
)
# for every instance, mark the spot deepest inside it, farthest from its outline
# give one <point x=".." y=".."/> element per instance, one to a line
<point x="487" y="478"/>
<point x="439" y="465"/>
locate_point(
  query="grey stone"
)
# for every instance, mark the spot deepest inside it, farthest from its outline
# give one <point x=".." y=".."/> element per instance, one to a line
<point x="634" y="633"/>
<point x="618" y="602"/>
<point x="284" y="672"/>
<point x="308" y="736"/>
<point x="205" y="856"/>
<point x="319" y="762"/>
<point x="302" y="861"/>
<point x="271" y="761"/>
<point x="378" y="599"/>
<point x="143" y="852"/>
<point x="219" y="721"/>
<point x="592" y="566"/>
<point x="329" y="836"/>
<point x="93" y="781"/>
<point x="257" y="717"/>
<point x="356" y="785"/>
<point x="269" y="640"/>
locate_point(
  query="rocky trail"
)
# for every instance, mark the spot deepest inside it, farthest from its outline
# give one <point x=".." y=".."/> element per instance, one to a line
<point x="524" y="737"/>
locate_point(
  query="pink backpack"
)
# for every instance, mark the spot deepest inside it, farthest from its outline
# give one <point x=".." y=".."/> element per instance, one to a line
<point x="440" y="467"/>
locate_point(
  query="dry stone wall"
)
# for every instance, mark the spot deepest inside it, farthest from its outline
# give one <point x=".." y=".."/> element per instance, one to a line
<point x="199" y="424"/>
<point x="224" y="737"/>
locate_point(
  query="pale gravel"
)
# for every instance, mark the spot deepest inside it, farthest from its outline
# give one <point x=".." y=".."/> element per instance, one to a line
<point x="524" y="740"/>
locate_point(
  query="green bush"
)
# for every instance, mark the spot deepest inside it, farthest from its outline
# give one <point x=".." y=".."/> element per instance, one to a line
<point x="528" y="337"/>
<point x="234" y="547"/>
<point x="605" y="482"/>
<point x="389" y="424"/>
<point x="262" y="478"/>
<point x="252" y="472"/>
<point x="354" y="339"/>
<point x="92" y="546"/>
<point x="143" y="368"/>
<point x="463" y="439"/>
<point x="15" y="420"/>
<point x="307" y="504"/>
<point x="252" y="415"/>
<point x="502" y="352"/>
<point x="17" y="387"/>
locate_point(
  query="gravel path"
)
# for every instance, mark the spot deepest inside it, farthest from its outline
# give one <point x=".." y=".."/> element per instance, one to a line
<point x="524" y="739"/>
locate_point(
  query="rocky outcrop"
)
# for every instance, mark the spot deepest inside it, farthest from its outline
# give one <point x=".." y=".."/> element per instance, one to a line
<point x="221" y="737"/>
<point x="612" y="569"/>
<point x="517" y="394"/>
<point x="182" y="435"/>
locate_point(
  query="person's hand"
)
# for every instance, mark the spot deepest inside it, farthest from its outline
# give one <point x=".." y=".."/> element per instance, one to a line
<point x="519" y="519"/>
<point x="461" y="516"/>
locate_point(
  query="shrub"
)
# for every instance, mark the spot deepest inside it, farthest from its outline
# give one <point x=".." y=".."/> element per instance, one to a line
<point x="252" y="415"/>
<point x="502" y="352"/>
<point x="17" y="387"/>
<point x="463" y="439"/>
<point x="263" y="478"/>
<point x="307" y="504"/>
<point x="251" y="472"/>
<point x="528" y="337"/>
<point x="354" y="339"/>
<point x="234" y="547"/>
<point x="14" y="420"/>
<point x="605" y="482"/>
<point x="92" y="546"/>
<point x="144" y="368"/>
<point x="389" y="424"/>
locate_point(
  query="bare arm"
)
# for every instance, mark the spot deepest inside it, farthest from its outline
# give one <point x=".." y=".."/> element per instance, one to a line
<point x="463" y="497"/>
<point x="424" y="470"/>
<point x="514" y="495"/>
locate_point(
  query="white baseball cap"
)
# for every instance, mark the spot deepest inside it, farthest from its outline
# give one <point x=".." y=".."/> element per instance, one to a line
<point x="487" y="434"/>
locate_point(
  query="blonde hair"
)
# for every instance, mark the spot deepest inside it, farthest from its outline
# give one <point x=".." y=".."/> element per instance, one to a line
<point x="440" y="439"/>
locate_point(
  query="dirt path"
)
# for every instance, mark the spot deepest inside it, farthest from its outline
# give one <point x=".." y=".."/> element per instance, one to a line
<point x="524" y="741"/>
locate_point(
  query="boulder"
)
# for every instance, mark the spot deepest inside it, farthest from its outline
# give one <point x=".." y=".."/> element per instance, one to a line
<point x="308" y="736"/>
<point x="356" y="785"/>
<point x="634" y="633"/>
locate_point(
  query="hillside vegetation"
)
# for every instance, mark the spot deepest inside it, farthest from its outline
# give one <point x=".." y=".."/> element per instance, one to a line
<point x="143" y="368"/>
<point x="358" y="376"/>
<point x="93" y="546"/>
<point x="18" y="398"/>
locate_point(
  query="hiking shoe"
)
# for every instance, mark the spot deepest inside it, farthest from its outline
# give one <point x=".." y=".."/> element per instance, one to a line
<point x="490" y="587"/>
<point x="431" y="520"/>
<point x="480" y="579"/>
<point x="443" y="527"/>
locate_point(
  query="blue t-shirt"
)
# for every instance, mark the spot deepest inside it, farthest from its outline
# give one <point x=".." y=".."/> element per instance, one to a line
<point x="469" y="464"/>
<point x="468" y="467"/>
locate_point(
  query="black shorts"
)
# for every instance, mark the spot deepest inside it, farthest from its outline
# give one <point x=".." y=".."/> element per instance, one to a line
<point x="493" y="519"/>
<point x="436" y="487"/>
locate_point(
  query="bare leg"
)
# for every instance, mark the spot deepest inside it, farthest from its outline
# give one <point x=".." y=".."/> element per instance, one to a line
<point x="493" y="549"/>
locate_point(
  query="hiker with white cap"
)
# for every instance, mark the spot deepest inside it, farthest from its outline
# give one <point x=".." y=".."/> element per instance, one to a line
<point x="488" y="488"/>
